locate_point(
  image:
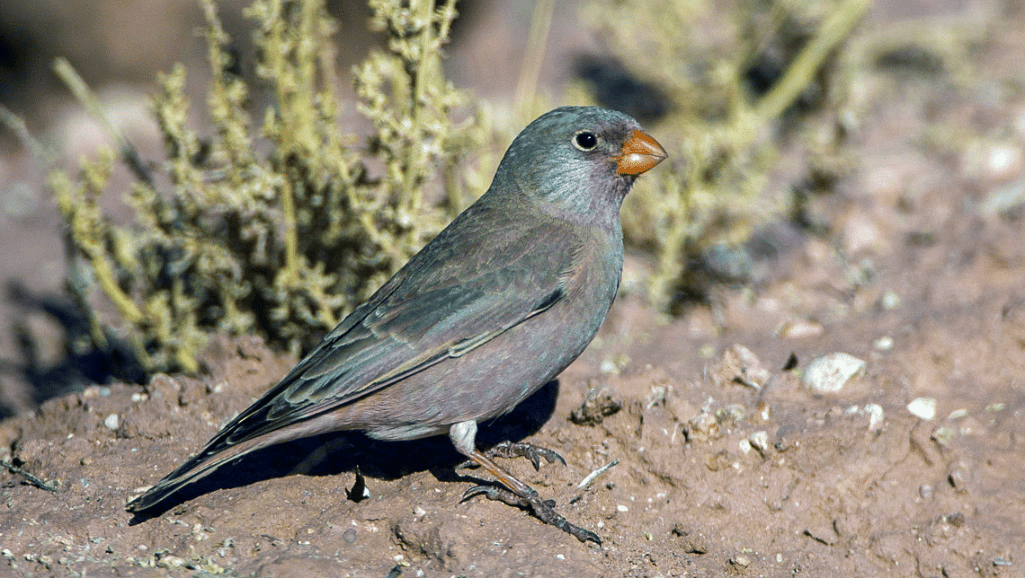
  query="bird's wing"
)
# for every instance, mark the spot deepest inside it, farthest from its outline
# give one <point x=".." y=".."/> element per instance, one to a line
<point x="447" y="301"/>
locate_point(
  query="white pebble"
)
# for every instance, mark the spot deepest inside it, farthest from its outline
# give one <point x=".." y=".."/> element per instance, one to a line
<point x="923" y="407"/>
<point x="759" y="440"/>
<point x="112" y="421"/>
<point x="829" y="373"/>
<point x="875" y="416"/>
<point x="890" y="300"/>
<point x="884" y="343"/>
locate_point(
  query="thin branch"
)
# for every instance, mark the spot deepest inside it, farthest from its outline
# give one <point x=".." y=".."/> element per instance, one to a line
<point x="35" y="481"/>
<point x="82" y="92"/>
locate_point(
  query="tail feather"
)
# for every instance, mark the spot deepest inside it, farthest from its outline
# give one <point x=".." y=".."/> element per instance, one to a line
<point x="194" y="469"/>
<point x="223" y="449"/>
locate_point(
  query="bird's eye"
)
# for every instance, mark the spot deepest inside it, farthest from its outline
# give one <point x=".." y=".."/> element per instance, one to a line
<point x="585" y="140"/>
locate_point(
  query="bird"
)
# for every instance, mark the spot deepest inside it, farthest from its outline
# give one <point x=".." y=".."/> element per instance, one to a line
<point x="499" y="303"/>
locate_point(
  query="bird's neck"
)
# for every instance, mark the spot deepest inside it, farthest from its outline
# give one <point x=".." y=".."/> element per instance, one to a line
<point x="599" y="209"/>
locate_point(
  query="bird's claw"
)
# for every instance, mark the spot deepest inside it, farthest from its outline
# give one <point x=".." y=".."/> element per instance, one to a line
<point x="543" y="509"/>
<point x="496" y="493"/>
<point x="519" y="450"/>
<point x="525" y="450"/>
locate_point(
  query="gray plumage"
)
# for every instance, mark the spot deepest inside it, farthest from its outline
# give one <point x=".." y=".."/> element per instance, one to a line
<point x="494" y="307"/>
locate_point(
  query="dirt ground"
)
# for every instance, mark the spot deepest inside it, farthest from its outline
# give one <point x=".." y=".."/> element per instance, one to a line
<point x="725" y="462"/>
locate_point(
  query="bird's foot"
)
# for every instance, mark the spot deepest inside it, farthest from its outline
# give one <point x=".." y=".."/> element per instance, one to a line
<point x="519" y="450"/>
<point x="543" y="509"/>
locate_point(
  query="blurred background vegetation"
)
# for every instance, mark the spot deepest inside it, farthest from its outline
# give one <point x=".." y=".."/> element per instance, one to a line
<point x="301" y="151"/>
<point x="284" y="243"/>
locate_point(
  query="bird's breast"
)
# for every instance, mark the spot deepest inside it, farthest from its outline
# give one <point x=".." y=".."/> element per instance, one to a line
<point x="592" y="286"/>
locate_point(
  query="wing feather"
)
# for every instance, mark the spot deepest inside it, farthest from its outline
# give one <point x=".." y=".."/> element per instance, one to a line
<point x="438" y="307"/>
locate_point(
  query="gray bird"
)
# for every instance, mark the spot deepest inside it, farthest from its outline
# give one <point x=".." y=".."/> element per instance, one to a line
<point x="494" y="307"/>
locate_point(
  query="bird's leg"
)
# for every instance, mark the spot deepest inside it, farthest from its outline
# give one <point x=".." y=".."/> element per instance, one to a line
<point x="515" y="493"/>
<point x="520" y="494"/>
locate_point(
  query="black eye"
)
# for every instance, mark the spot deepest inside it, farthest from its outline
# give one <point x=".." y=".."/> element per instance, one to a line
<point x="585" y="140"/>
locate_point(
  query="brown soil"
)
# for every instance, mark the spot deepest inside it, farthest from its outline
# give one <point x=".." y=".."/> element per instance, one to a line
<point x="726" y="463"/>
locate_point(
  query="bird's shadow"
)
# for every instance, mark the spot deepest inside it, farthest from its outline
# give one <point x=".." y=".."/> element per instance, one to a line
<point x="78" y="365"/>
<point x="335" y="453"/>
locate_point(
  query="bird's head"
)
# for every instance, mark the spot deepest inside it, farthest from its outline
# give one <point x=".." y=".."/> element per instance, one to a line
<point x="578" y="162"/>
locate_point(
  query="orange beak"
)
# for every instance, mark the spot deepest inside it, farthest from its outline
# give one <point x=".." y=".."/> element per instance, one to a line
<point x="640" y="154"/>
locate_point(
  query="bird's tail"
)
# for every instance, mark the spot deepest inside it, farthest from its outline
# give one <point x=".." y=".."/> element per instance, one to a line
<point x="194" y="469"/>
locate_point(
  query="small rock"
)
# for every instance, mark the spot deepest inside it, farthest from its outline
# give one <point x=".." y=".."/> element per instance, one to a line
<point x="925" y="490"/>
<point x="923" y="408"/>
<point x="690" y="542"/>
<point x="942" y="436"/>
<point x="739" y="364"/>
<point x="958" y="414"/>
<point x="170" y="562"/>
<point x="740" y="561"/>
<point x="601" y="402"/>
<point x="731" y="414"/>
<point x="759" y="440"/>
<point x="112" y="421"/>
<point x="829" y="373"/>
<point x="163" y="386"/>
<point x="800" y="329"/>
<point x="958" y="477"/>
<point x="875" y="416"/>
<point x="889" y="301"/>
<point x="702" y="427"/>
<point x="720" y="461"/>
<point x="884" y="343"/>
